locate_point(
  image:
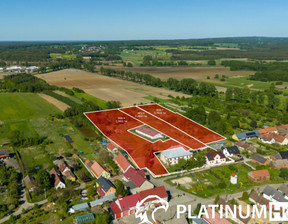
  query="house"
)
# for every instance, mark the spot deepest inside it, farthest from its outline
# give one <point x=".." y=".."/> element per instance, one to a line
<point x="136" y="180"/>
<point x="245" y="135"/>
<point x="148" y="132"/>
<point x="63" y="167"/>
<point x="199" y="221"/>
<point x="258" y="199"/>
<point x="274" y="138"/>
<point x="282" y="129"/>
<point x="280" y="163"/>
<point x="268" y="139"/>
<point x="260" y="160"/>
<point x="57" y="180"/>
<point x="244" y="146"/>
<point x="112" y="148"/>
<point x="122" y="162"/>
<point x="215" y="158"/>
<point x="79" y="208"/>
<point x="274" y="195"/>
<point x="127" y="205"/>
<point x="104" y="186"/>
<point x="172" y="155"/>
<point x="69" y="175"/>
<point x="83" y="218"/>
<point x="30" y="183"/>
<point x="233" y="178"/>
<point x="284" y="189"/>
<point x="88" y="163"/>
<point x="236" y="219"/>
<point x="259" y="175"/>
<point x="268" y="130"/>
<point x="216" y="219"/>
<point x="280" y="155"/>
<point x="4" y="154"/>
<point x="231" y="151"/>
<point x="99" y="171"/>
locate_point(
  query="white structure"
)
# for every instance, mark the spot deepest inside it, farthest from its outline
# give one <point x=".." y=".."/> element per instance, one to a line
<point x="233" y="178"/>
<point x="15" y="69"/>
<point x="231" y="151"/>
<point x="31" y="69"/>
<point x="215" y="158"/>
<point x="149" y="132"/>
<point x="172" y="155"/>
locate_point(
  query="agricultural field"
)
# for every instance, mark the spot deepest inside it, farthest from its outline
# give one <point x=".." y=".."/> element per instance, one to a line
<point x="184" y="72"/>
<point x="106" y="88"/>
<point x="62" y="56"/>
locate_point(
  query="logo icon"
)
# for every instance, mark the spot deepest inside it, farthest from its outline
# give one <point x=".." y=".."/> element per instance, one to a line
<point x="145" y="204"/>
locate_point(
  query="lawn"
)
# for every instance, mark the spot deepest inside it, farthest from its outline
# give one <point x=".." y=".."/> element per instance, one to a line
<point x="16" y="106"/>
<point x="101" y="103"/>
<point x="64" y="56"/>
<point x="22" y="126"/>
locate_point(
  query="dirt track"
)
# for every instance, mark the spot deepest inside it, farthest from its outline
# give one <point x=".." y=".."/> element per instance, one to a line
<point x="106" y="88"/>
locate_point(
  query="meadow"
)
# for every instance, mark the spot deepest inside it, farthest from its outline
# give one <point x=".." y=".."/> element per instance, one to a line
<point x="64" y="56"/>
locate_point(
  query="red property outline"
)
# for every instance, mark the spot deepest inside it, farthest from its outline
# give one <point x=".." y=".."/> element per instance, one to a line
<point x="116" y="123"/>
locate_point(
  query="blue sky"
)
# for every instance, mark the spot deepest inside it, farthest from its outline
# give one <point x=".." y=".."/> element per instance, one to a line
<point x="140" y="19"/>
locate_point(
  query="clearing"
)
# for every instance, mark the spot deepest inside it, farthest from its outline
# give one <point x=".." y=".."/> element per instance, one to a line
<point x="107" y="88"/>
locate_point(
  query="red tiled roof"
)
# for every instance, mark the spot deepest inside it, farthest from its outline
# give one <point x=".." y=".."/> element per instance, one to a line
<point x="216" y="219"/>
<point x="129" y="201"/>
<point x="115" y="208"/>
<point x="62" y="167"/>
<point x="88" y="163"/>
<point x="100" y="191"/>
<point x="178" y="146"/>
<point x="148" y="131"/>
<point x="260" y="173"/>
<point x="57" y="179"/>
<point x="97" y="169"/>
<point x="110" y="147"/>
<point x="267" y="130"/>
<point x="122" y="162"/>
<point x="138" y="177"/>
<point x="233" y="174"/>
<point x="68" y="174"/>
<point x="160" y="191"/>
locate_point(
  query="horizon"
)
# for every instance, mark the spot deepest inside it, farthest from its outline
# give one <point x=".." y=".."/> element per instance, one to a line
<point x="150" y="20"/>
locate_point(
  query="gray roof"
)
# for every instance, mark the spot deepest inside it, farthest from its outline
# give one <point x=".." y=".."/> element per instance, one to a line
<point x="130" y="185"/>
<point x="104" y="183"/>
<point x="109" y="197"/>
<point x="277" y="156"/>
<point x="247" y="134"/>
<point x="276" y="195"/>
<point x="176" y="153"/>
<point x="200" y="221"/>
<point x="284" y="188"/>
<point x="259" y="159"/>
<point x="81" y="207"/>
<point x="233" y="150"/>
<point x="4" y="152"/>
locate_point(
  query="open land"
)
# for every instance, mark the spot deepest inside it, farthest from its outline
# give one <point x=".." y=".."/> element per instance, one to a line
<point x="60" y="105"/>
<point x="115" y="124"/>
<point x="106" y="88"/>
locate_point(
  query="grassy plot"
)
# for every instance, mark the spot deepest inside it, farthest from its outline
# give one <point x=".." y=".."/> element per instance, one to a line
<point x="16" y="106"/>
<point x="22" y="126"/>
<point x="101" y="103"/>
<point x="64" y="56"/>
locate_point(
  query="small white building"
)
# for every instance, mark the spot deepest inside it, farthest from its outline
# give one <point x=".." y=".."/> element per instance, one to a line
<point x="172" y="155"/>
<point x="149" y="132"/>
<point x="215" y="158"/>
<point x="233" y="178"/>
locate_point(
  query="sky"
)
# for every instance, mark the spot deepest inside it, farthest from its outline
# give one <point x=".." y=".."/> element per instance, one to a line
<point x="52" y="20"/>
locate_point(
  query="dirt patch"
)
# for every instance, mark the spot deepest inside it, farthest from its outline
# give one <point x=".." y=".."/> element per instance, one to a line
<point x="184" y="72"/>
<point x="182" y="181"/>
<point x="60" y="105"/>
<point x="107" y="88"/>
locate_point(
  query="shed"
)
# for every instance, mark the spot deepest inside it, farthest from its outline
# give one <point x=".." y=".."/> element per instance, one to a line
<point x="83" y="218"/>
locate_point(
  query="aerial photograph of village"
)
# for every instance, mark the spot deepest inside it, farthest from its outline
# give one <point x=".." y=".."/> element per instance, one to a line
<point x="154" y="112"/>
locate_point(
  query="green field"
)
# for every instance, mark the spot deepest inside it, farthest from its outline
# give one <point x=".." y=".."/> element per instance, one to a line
<point x="64" y="56"/>
<point x="101" y="103"/>
<point x="16" y="106"/>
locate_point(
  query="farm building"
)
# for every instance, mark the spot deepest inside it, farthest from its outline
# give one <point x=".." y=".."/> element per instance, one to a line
<point x="231" y="151"/>
<point x="148" y="132"/>
<point x="174" y="153"/>
<point x="127" y="205"/>
<point x="260" y="160"/>
<point x="122" y="162"/>
<point x="79" y="208"/>
<point x="136" y="180"/>
<point x="259" y="175"/>
<point x="99" y="171"/>
<point x="83" y="218"/>
<point x="104" y="186"/>
<point x="30" y="183"/>
<point x="215" y="158"/>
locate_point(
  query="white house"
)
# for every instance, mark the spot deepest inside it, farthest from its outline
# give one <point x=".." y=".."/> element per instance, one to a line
<point x="233" y="178"/>
<point x="215" y="158"/>
<point x="149" y="132"/>
<point x="231" y="151"/>
<point x="172" y="155"/>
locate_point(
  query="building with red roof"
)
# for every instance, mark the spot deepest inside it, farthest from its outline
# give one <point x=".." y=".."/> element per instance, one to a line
<point x="112" y="148"/>
<point x="214" y="220"/>
<point x="127" y="205"/>
<point x="88" y="163"/>
<point x="122" y="162"/>
<point x="99" y="171"/>
<point x="148" y="132"/>
<point x="136" y="180"/>
<point x="57" y="180"/>
<point x="268" y="130"/>
<point x="259" y="175"/>
<point x="4" y="154"/>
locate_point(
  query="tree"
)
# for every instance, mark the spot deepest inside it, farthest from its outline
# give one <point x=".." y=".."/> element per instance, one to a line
<point x="198" y="114"/>
<point x="211" y="62"/>
<point x="284" y="173"/>
<point x="229" y="94"/>
<point x="43" y="178"/>
<point x="103" y="155"/>
<point x="245" y="196"/>
<point x="113" y="104"/>
<point x="253" y="124"/>
<point x="216" y="199"/>
<point x="213" y="119"/>
<point x="120" y="189"/>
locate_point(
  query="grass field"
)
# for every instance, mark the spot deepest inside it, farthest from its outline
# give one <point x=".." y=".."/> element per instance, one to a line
<point x="15" y="106"/>
<point x="97" y="101"/>
<point x="66" y="56"/>
<point x="107" y="88"/>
